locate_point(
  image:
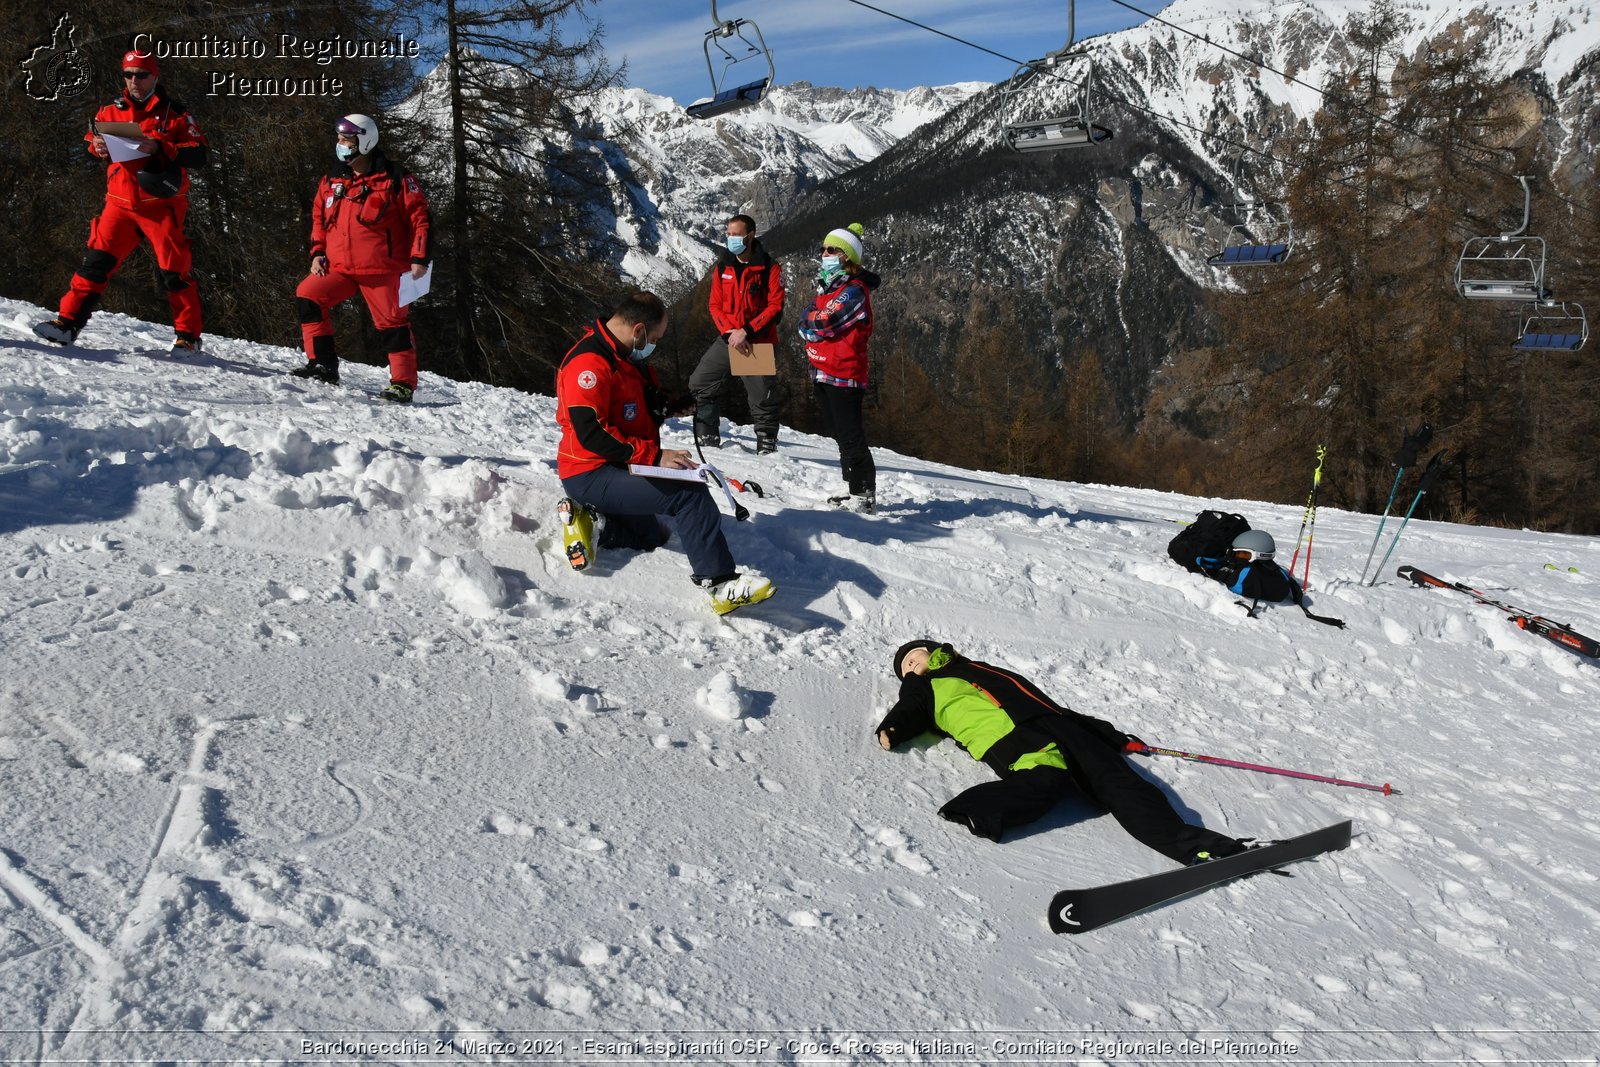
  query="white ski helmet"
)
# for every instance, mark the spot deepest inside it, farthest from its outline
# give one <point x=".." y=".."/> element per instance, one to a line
<point x="363" y="128"/>
<point x="1258" y="543"/>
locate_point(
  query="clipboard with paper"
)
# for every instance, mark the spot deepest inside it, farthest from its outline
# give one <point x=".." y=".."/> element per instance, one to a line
<point x="761" y="362"/>
<point x="704" y="473"/>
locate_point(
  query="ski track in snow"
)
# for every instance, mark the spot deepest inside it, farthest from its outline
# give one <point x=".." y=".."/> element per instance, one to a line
<point x="308" y="731"/>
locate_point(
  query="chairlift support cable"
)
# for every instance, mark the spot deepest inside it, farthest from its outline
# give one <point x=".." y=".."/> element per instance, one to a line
<point x="1174" y="120"/>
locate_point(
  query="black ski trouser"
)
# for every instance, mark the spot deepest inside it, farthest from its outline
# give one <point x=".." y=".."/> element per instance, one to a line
<point x="844" y="421"/>
<point x="1103" y="774"/>
<point x="711" y="374"/>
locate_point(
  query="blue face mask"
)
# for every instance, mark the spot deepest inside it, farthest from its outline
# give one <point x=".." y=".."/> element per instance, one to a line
<point x="639" y="355"/>
<point x="344" y="152"/>
<point x="735" y="244"/>
<point x="831" y="265"/>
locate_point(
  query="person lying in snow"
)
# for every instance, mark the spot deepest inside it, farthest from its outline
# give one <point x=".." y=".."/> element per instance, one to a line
<point x="1042" y="752"/>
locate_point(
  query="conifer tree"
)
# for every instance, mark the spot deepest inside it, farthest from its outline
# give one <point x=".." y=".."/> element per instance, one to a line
<point x="514" y="215"/>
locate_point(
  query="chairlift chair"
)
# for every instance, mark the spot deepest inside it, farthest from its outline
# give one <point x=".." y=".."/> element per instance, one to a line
<point x="1509" y="266"/>
<point x="1072" y="128"/>
<point x="733" y="48"/>
<point x="1552" y="326"/>
<point x="1255" y="244"/>
<point x="1262" y="238"/>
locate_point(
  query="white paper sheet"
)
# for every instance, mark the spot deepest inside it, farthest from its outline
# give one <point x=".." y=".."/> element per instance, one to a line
<point x="123" y="149"/>
<point x="693" y="474"/>
<point x="411" y="288"/>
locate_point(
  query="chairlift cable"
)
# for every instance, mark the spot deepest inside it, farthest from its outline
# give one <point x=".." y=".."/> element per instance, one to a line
<point x="1213" y="137"/>
<point x="1326" y="95"/>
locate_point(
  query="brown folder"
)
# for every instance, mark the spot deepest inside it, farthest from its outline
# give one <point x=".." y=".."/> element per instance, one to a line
<point x="119" y="129"/>
<point x="762" y="360"/>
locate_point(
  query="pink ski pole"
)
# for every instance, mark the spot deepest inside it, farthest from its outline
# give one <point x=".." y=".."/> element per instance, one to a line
<point x="1150" y="750"/>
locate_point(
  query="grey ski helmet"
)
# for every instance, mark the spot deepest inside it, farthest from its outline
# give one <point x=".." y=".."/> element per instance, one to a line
<point x="1256" y="542"/>
<point x="363" y="128"/>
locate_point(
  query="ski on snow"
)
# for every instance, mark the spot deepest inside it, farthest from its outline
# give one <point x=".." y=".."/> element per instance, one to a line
<point x="1077" y="911"/>
<point x="1560" y="633"/>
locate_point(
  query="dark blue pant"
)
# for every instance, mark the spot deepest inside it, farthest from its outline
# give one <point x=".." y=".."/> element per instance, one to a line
<point x="843" y="421"/>
<point x="626" y="498"/>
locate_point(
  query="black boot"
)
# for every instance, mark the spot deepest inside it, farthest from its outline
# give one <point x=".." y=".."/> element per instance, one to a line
<point x="323" y="370"/>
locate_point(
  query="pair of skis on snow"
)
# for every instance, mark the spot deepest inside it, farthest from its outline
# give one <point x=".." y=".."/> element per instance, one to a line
<point x="1559" y="632"/>
<point x="1077" y="911"/>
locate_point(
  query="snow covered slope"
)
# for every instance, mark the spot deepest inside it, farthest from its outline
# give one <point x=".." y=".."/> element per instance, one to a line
<point x="308" y="733"/>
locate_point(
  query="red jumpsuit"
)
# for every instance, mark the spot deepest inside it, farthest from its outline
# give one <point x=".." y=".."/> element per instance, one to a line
<point x="131" y="213"/>
<point x="372" y="227"/>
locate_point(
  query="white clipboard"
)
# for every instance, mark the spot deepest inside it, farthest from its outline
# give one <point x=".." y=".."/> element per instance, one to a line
<point x="704" y="473"/>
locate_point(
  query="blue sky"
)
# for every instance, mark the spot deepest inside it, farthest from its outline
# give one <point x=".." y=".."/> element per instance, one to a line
<point x="835" y="42"/>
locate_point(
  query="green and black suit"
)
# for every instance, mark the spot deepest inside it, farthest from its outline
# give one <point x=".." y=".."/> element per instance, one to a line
<point x="1041" y="751"/>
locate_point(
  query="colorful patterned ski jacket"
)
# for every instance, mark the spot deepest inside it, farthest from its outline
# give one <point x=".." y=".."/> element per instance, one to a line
<point x="836" y="329"/>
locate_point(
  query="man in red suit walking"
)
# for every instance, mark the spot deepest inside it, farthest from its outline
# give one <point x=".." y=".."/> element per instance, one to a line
<point x="147" y="197"/>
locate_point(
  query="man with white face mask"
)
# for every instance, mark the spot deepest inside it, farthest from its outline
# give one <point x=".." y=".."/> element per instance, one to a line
<point x="746" y="304"/>
<point x="369" y="225"/>
<point x="610" y="406"/>
<point x="147" y="198"/>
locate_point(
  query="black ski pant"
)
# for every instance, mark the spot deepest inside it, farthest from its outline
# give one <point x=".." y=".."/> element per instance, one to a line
<point x="992" y="808"/>
<point x="706" y="383"/>
<point x="843" y="420"/>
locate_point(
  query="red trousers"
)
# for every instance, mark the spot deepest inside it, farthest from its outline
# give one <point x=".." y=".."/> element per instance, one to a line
<point x="319" y="292"/>
<point x="113" y="236"/>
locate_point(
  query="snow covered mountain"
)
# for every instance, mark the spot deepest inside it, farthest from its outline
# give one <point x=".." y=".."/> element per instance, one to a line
<point x="312" y="744"/>
<point x="1104" y="249"/>
<point x="675" y="180"/>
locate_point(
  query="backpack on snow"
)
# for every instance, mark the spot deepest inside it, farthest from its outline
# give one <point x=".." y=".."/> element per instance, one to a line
<point x="1205" y="547"/>
<point x="1210" y="536"/>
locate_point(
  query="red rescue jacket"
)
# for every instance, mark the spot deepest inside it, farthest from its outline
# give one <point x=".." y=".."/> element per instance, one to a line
<point x="748" y="296"/>
<point x="606" y="405"/>
<point x="372" y="223"/>
<point x="179" y="143"/>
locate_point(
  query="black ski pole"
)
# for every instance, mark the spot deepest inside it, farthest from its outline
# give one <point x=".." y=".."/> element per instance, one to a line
<point x="1410" y="445"/>
<point x="1436" y="466"/>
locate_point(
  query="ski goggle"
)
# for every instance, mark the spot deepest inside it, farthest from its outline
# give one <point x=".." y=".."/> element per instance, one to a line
<point x="1249" y="555"/>
<point x="348" y="129"/>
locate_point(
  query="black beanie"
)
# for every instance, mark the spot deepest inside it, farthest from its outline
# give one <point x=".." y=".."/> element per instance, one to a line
<point x="900" y="654"/>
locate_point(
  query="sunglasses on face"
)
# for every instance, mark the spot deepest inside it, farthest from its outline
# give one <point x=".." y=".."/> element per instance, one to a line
<point x="832" y="251"/>
<point x="137" y="75"/>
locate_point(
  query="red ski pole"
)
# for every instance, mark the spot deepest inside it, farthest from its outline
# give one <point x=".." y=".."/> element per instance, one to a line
<point x="1150" y="750"/>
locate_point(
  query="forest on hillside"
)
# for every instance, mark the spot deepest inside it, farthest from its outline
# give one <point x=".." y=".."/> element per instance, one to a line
<point x="1359" y="334"/>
